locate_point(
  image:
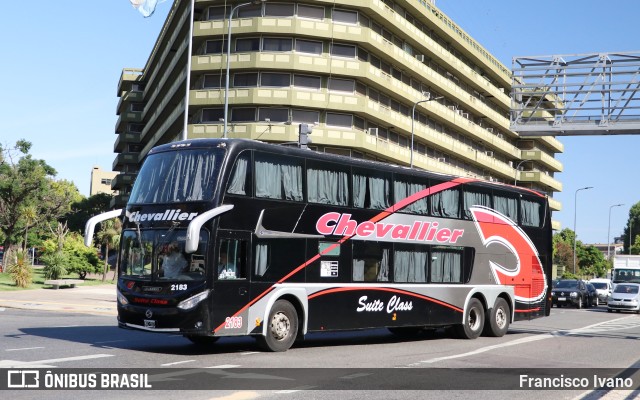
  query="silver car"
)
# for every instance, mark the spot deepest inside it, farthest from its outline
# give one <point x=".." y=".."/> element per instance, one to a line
<point x="625" y="297"/>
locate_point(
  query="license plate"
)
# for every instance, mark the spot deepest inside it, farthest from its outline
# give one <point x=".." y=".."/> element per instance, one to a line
<point x="149" y="323"/>
<point x="562" y="298"/>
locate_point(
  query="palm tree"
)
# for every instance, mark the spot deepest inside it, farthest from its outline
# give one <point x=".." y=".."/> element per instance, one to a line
<point x="109" y="236"/>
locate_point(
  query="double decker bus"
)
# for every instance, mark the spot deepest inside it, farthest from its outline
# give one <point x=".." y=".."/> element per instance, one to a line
<point x="276" y="242"/>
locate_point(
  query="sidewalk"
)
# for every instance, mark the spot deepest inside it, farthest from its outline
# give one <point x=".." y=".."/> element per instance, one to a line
<point x="100" y="299"/>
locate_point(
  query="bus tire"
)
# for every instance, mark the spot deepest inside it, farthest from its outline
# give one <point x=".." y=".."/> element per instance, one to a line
<point x="497" y="323"/>
<point x="282" y="327"/>
<point x="203" y="341"/>
<point x="473" y="324"/>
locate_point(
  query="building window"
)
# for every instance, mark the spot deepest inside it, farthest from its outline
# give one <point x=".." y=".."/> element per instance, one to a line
<point x="136" y="107"/>
<point x="342" y="120"/>
<point x="212" y="115"/>
<point x="245" y="79"/>
<point x="345" y="17"/>
<point x="273" y="114"/>
<point x="247" y="114"/>
<point x="306" y="81"/>
<point x="217" y="13"/>
<point x="212" y="81"/>
<point x="305" y="116"/>
<point x="137" y="87"/>
<point x="105" y="181"/>
<point x="278" y="10"/>
<point x="248" y="44"/>
<point x="270" y="79"/>
<point x="277" y="44"/>
<point x="308" y="46"/>
<point x="343" y="50"/>
<point x="137" y="128"/>
<point x="251" y="11"/>
<point x="214" y="47"/>
<point x="306" y="11"/>
<point x="341" y="85"/>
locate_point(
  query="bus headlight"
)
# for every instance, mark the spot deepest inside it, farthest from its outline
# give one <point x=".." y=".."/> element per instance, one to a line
<point x="193" y="301"/>
<point x="574" y="294"/>
<point x="121" y="299"/>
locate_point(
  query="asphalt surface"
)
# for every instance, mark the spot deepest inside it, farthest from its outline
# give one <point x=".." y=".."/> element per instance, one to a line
<point x="101" y="300"/>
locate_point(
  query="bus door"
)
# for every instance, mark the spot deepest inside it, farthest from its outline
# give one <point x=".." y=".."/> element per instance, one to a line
<point x="231" y="282"/>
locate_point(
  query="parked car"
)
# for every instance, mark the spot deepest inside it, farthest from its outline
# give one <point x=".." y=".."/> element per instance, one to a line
<point x="571" y="292"/>
<point x="593" y="295"/>
<point x="603" y="287"/>
<point x="625" y="297"/>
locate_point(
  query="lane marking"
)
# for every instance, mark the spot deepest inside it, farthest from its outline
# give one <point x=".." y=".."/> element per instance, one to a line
<point x="529" y="339"/>
<point x="25" y="348"/>
<point x="176" y="363"/>
<point x="222" y="366"/>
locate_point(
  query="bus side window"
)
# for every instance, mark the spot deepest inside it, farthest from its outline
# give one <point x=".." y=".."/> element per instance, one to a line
<point x="240" y="180"/>
<point x="232" y="256"/>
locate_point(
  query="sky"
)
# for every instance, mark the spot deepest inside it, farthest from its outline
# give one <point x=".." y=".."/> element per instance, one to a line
<point x="61" y="65"/>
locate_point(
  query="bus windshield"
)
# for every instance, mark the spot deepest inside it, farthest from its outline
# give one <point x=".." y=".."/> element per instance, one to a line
<point x="177" y="176"/>
<point x="158" y="254"/>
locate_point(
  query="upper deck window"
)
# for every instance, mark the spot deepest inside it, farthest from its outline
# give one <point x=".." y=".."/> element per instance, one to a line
<point x="177" y="176"/>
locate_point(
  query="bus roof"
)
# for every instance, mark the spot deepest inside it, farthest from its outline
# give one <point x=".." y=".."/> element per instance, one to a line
<point x="238" y="145"/>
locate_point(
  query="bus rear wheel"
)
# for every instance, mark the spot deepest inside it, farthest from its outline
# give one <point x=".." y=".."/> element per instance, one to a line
<point x="282" y="327"/>
<point x="497" y="323"/>
<point x="473" y="324"/>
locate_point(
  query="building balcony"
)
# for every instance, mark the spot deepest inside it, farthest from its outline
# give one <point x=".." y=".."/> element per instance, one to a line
<point x="122" y="181"/>
<point x="123" y="159"/>
<point x="126" y="99"/>
<point x="127" y="77"/>
<point x="125" y="139"/>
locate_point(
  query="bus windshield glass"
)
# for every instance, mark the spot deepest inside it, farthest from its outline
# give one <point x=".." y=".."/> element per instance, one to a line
<point x="158" y="254"/>
<point x="177" y="176"/>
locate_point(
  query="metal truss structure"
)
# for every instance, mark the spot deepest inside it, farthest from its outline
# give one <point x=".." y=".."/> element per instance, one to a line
<point x="578" y="94"/>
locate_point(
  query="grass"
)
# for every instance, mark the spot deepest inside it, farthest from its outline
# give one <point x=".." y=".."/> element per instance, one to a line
<point x="7" y="284"/>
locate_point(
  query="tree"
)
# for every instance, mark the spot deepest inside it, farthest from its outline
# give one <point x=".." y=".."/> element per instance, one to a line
<point x="632" y="230"/>
<point x="68" y="250"/>
<point x="27" y="189"/>
<point x="86" y="208"/>
<point x="109" y="236"/>
<point x="592" y="262"/>
<point x="22" y="181"/>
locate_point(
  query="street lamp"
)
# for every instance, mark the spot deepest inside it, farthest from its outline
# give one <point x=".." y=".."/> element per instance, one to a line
<point x="427" y="96"/>
<point x="515" y="181"/>
<point x="609" y="231"/>
<point x="226" y="85"/>
<point x="575" y="235"/>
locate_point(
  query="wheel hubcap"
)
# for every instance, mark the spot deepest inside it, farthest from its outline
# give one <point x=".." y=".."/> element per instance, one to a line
<point x="280" y="326"/>
<point x="501" y="318"/>
<point x="474" y="321"/>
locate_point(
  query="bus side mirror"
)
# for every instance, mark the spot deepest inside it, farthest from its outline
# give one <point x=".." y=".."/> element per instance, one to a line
<point x="93" y="221"/>
<point x="193" y="230"/>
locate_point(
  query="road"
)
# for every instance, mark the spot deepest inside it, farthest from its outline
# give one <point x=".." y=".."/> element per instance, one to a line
<point x="568" y="340"/>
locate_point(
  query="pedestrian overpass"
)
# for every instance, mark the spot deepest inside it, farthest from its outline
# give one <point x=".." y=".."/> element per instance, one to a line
<point x="576" y="95"/>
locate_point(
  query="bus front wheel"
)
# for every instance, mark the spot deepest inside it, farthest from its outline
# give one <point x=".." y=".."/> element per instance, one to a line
<point x="282" y="327"/>
<point x="473" y="324"/>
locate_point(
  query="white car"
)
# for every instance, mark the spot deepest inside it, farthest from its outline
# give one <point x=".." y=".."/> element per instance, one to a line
<point x="603" y="287"/>
<point x="625" y="297"/>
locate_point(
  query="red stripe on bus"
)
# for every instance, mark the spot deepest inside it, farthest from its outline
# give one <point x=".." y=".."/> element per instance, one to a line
<point x="528" y="311"/>
<point x="347" y="289"/>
